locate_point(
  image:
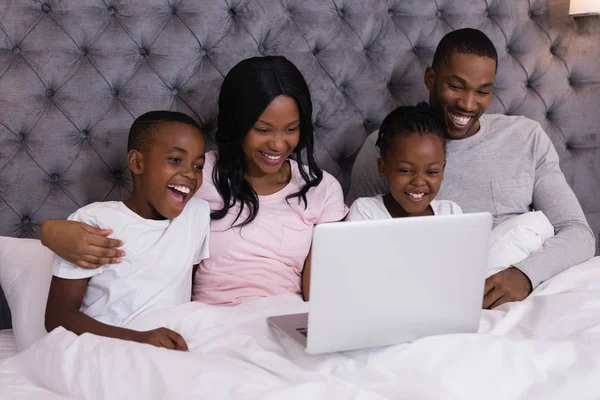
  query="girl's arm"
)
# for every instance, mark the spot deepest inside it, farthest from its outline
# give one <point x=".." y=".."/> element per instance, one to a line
<point x="81" y="244"/>
<point x="63" y="309"/>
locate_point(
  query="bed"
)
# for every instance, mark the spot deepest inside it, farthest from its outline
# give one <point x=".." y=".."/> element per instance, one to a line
<point x="74" y="75"/>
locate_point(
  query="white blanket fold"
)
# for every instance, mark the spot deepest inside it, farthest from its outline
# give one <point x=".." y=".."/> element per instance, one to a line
<point x="546" y="347"/>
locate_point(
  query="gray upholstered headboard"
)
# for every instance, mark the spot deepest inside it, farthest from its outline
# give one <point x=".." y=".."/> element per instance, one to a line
<point x="74" y="74"/>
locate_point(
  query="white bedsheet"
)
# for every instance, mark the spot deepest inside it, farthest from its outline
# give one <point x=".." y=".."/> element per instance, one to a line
<point x="8" y="345"/>
<point x="546" y="347"/>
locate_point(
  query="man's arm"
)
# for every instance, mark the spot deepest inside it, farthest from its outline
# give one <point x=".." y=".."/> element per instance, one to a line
<point x="63" y="309"/>
<point x="574" y="241"/>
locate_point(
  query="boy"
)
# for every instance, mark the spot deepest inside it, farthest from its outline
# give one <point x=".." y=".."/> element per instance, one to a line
<point x="165" y="231"/>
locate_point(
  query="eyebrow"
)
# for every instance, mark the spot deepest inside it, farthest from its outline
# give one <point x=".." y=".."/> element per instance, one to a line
<point x="408" y="162"/>
<point x="269" y="124"/>
<point x="464" y="82"/>
<point x="180" y="150"/>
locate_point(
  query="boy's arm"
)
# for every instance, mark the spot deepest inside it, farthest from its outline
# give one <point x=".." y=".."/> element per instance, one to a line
<point x="64" y="301"/>
<point x="63" y="309"/>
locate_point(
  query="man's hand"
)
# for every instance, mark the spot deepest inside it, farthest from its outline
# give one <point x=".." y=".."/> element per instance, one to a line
<point x="506" y="286"/>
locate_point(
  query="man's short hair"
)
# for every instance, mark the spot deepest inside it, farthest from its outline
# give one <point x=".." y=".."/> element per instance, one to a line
<point x="143" y="129"/>
<point x="464" y="41"/>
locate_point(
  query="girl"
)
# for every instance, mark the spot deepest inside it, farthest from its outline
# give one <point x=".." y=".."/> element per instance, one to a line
<point x="264" y="201"/>
<point x="412" y="147"/>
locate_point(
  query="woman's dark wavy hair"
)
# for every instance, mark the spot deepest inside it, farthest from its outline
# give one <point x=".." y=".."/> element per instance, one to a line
<point x="246" y="92"/>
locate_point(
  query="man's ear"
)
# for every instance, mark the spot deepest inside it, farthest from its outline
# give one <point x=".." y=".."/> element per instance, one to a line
<point x="429" y="78"/>
<point x="381" y="166"/>
<point x="135" y="161"/>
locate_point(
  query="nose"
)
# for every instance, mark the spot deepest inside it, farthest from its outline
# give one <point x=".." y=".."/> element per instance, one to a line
<point x="277" y="142"/>
<point x="187" y="171"/>
<point x="467" y="102"/>
<point x="418" y="180"/>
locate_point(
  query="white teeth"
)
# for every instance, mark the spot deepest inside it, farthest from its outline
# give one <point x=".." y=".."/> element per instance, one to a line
<point x="180" y="188"/>
<point x="416" y="195"/>
<point x="458" y="120"/>
<point x="270" y="157"/>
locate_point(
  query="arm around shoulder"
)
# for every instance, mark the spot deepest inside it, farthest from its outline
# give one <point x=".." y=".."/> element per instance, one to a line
<point x="81" y="243"/>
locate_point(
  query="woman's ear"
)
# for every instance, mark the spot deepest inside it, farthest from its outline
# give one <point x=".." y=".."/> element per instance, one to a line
<point x="135" y="161"/>
<point x="429" y="78"/>
<point x="381" y="166"/>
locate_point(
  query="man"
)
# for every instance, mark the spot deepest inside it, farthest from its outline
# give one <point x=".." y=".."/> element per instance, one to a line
<point x="505" y="165"/>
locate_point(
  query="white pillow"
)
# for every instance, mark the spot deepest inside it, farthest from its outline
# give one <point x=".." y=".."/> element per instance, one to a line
<point x="516" y="238"/>
<point x="25" y="275"/>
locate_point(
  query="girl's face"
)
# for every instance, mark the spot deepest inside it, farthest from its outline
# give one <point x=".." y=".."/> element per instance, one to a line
<point x="414" y="169"/>
<point x="273" y="137"/>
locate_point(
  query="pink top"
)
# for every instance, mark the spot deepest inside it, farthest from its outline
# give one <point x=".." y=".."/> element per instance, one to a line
<point x="266" y="257"/>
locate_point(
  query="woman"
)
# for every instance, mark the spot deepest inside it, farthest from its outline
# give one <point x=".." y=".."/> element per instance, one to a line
<point x="264" y="201"/>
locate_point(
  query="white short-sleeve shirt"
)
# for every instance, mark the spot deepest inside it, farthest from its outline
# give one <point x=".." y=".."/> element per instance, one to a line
<point x="157" y="268"/>
<point x="367" y="208"/>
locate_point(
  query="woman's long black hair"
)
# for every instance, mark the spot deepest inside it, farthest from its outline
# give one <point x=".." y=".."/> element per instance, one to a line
<point x="246" y="92"/>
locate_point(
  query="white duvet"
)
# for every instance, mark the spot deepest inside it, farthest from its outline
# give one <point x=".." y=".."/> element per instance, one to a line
<point x="546" y="347"/>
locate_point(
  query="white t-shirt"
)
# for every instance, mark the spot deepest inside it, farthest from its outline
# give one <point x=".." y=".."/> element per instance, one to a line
<point x="157" y="268"/>
<point x="367" y="208"/>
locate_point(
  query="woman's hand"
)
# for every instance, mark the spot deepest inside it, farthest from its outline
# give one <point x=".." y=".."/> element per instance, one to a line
<point x="81" y="244"/>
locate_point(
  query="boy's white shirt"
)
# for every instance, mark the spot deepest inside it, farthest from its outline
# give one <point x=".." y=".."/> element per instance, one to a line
<point x="157" y="268"/>
<point x="371" y="208"/>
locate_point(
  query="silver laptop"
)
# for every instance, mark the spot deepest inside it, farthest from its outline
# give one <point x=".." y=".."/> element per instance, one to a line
<point x="377" y="283"/>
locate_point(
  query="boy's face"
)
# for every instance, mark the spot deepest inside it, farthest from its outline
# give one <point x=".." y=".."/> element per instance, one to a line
<point x="461" y="90"/>
<point x="414" y="169"/>
<point x="172" y="169"/>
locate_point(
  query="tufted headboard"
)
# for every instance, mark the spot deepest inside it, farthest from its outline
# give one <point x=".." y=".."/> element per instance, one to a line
<point x="75" y="73"/>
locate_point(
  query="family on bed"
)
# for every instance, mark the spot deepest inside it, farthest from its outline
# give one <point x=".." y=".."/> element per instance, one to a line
<point x="257" y="199"/>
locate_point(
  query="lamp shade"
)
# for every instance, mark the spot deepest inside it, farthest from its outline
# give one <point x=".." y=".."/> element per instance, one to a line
<point x="584" y="7"/>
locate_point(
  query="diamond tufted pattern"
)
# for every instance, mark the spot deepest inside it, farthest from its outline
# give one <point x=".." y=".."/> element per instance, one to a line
<point x="75" y="74"/>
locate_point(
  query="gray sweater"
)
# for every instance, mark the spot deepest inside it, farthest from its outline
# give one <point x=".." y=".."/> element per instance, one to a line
<point x="507" y="168"/>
